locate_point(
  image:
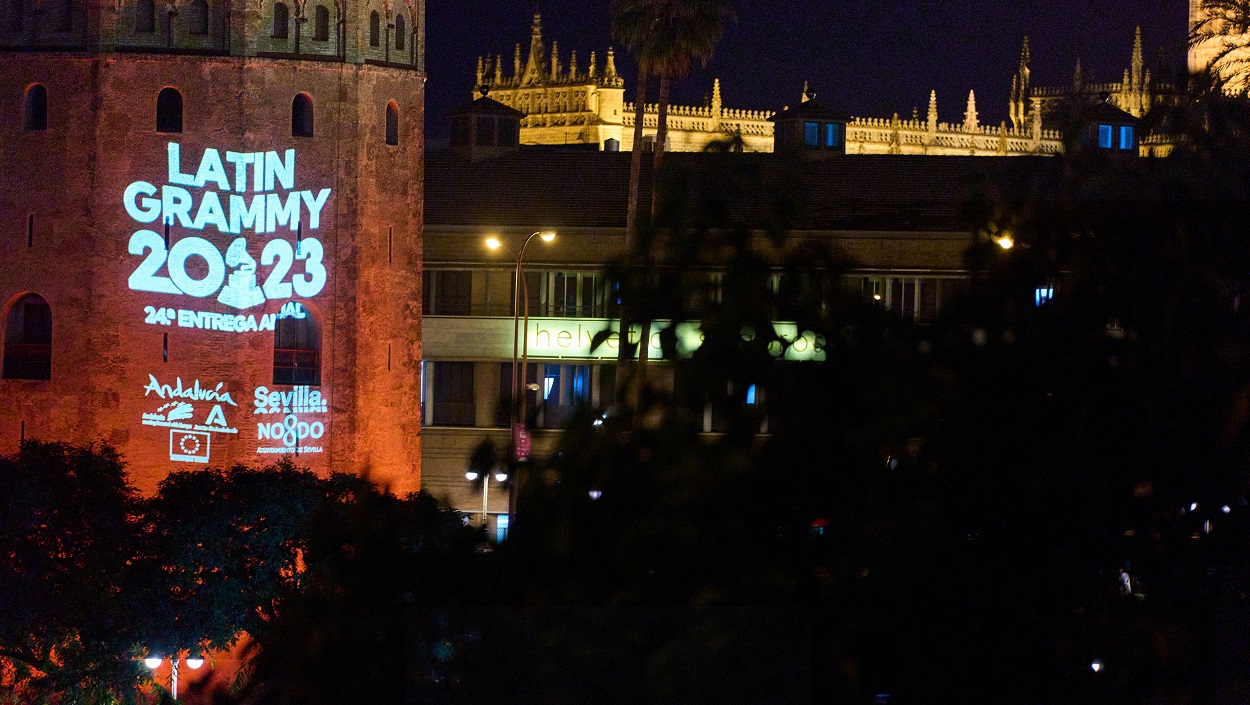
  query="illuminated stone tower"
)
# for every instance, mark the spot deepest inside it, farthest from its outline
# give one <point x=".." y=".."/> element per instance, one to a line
<point x="213" y="216"/>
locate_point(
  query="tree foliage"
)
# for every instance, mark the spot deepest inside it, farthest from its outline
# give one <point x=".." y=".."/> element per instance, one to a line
<point x="95" y="576"/>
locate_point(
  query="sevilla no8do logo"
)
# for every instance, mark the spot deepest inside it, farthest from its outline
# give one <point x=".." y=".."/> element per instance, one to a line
<point x="256" y="195"/>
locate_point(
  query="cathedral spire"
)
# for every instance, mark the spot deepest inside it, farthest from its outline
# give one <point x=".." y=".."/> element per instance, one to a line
<point x="1025" y="58"/>
<point x="534" y="67"/>
<point x="1138" y="62"/>
<point x="970" y="115"/>
<point x="609" y="71"/>
<point x="716" y="99"/>
<point x="933" y="113"/>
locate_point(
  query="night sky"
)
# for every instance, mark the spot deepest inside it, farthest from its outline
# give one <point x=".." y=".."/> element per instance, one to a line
<point x="865" y="57"/>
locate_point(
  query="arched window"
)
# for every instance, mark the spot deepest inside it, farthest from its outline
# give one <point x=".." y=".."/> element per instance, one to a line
<point x="302" y="116"/>
<point x="321" y="24"/>
<point x="35" y="110"/>
<point x="296" y="347"/>
<point x="197" y="17"/>
<point x="65" y="16"/>
<point x="28" y="339"/>
<point x="145" y="16"/>
<point x="17" y="15"/>
<point x="281" y="20"/>
<point x="375" y="28"/>
<point x="392" y="123"/>
<point x="169" y="110"/>
<point x="399" y="32"/>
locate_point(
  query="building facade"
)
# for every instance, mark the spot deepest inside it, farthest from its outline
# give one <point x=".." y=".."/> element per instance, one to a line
<point x="896" y="217"/>
<point x="214" y="218"/>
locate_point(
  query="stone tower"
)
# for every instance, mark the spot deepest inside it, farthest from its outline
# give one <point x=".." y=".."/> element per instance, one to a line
<point x="217" y="208"/>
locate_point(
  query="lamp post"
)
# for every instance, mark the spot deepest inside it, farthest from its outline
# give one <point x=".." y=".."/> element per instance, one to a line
<point x="500" y="477"/>
<point x="520" y="288"/>
<point x="154" y="662"/>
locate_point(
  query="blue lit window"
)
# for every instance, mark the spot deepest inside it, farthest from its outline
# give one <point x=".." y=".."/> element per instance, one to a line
<point x="811" y="134"/>
<point x="1104" y="136"/>
<point x="1043" y="294"/>
<point x="1126" y="137"/>
<point x="833" y="134"/>
<point x="751" y="394"/>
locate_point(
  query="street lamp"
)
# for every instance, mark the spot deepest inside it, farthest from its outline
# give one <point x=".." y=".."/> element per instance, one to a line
<point x="520" y="289"/>
<point x="154" y="662"/>
<point x="500" y="477"/>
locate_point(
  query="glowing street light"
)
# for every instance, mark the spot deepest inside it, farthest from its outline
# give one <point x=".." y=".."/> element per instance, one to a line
<point x="154" y="662"/>
<point x="473" y="475"/>
<point x="520" y="290"/>
<point x="1005" y="241"/>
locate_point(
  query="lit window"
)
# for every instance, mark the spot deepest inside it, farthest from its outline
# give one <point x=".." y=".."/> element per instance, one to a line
<point x="28" y="339"/>
<point x="399" y="32"/>
<point x="375" y="23"/>
<point x="302" y="116"/>
<point x="833" y="134"/>
<point x="1126" y="137"/>
<point x="751" y="394"/>
<point x="1043" y="294"/>
<point x="321" y="24"/>
<point x="392" y="123"/>
<point x="281" y="20"/>
<point x="197" y="18"/>
<point x="1104" y="136"/>
<point x="35" y="110"/>
<point x="145" y="16"/>
<point x="297" y="348"/>
<point x="811" y="134"/>
<point x="169" y="110"/>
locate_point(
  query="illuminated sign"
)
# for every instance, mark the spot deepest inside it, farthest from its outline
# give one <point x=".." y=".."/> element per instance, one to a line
<point x="190" y="429"/>
<point x="294" y="429"/>
<point x="260" y="199"/>
<point x="572" y="338"/>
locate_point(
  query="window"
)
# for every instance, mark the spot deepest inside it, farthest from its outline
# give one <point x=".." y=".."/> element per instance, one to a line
<point x="302" y="116"/>
<point x="169" y="111"/>
<point x="1043" y="294"/>
<point x="453" y="394"/>
<point x="321" y="24"/>
<point x="913" y="298"/>
<point x="28" y="339"/>
<point x="297" y="348"/>
<point x="1126" y="137"/>
<point x="510" y="133"/>
<point x="567" y="294"/>
<point x="811" y="134"/>
<point x="564" y="388"/>
<point x="197" y="17"/>
<point x="1104" y="136"/>
<point x="35" y="110"/>
<point x="392" y="123"/>
<point x="833" y="134"/>
<point x="374" y="28"/>
<point x="485" y="131"/>
<point x="446" y="293"/>
<point x="145" y="16"/>
<point x="17" y="15"/>
<point x="65" y="16"/>
<point x="281" y="20"/>
<point x="399" y="32"/>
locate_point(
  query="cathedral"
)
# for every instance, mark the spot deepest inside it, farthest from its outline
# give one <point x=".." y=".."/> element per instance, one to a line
<point x="566" y="103"/>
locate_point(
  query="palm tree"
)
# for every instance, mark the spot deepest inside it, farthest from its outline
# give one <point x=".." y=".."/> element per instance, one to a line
<point x="666" y="37"/>
<point x="1222" y="34"/>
